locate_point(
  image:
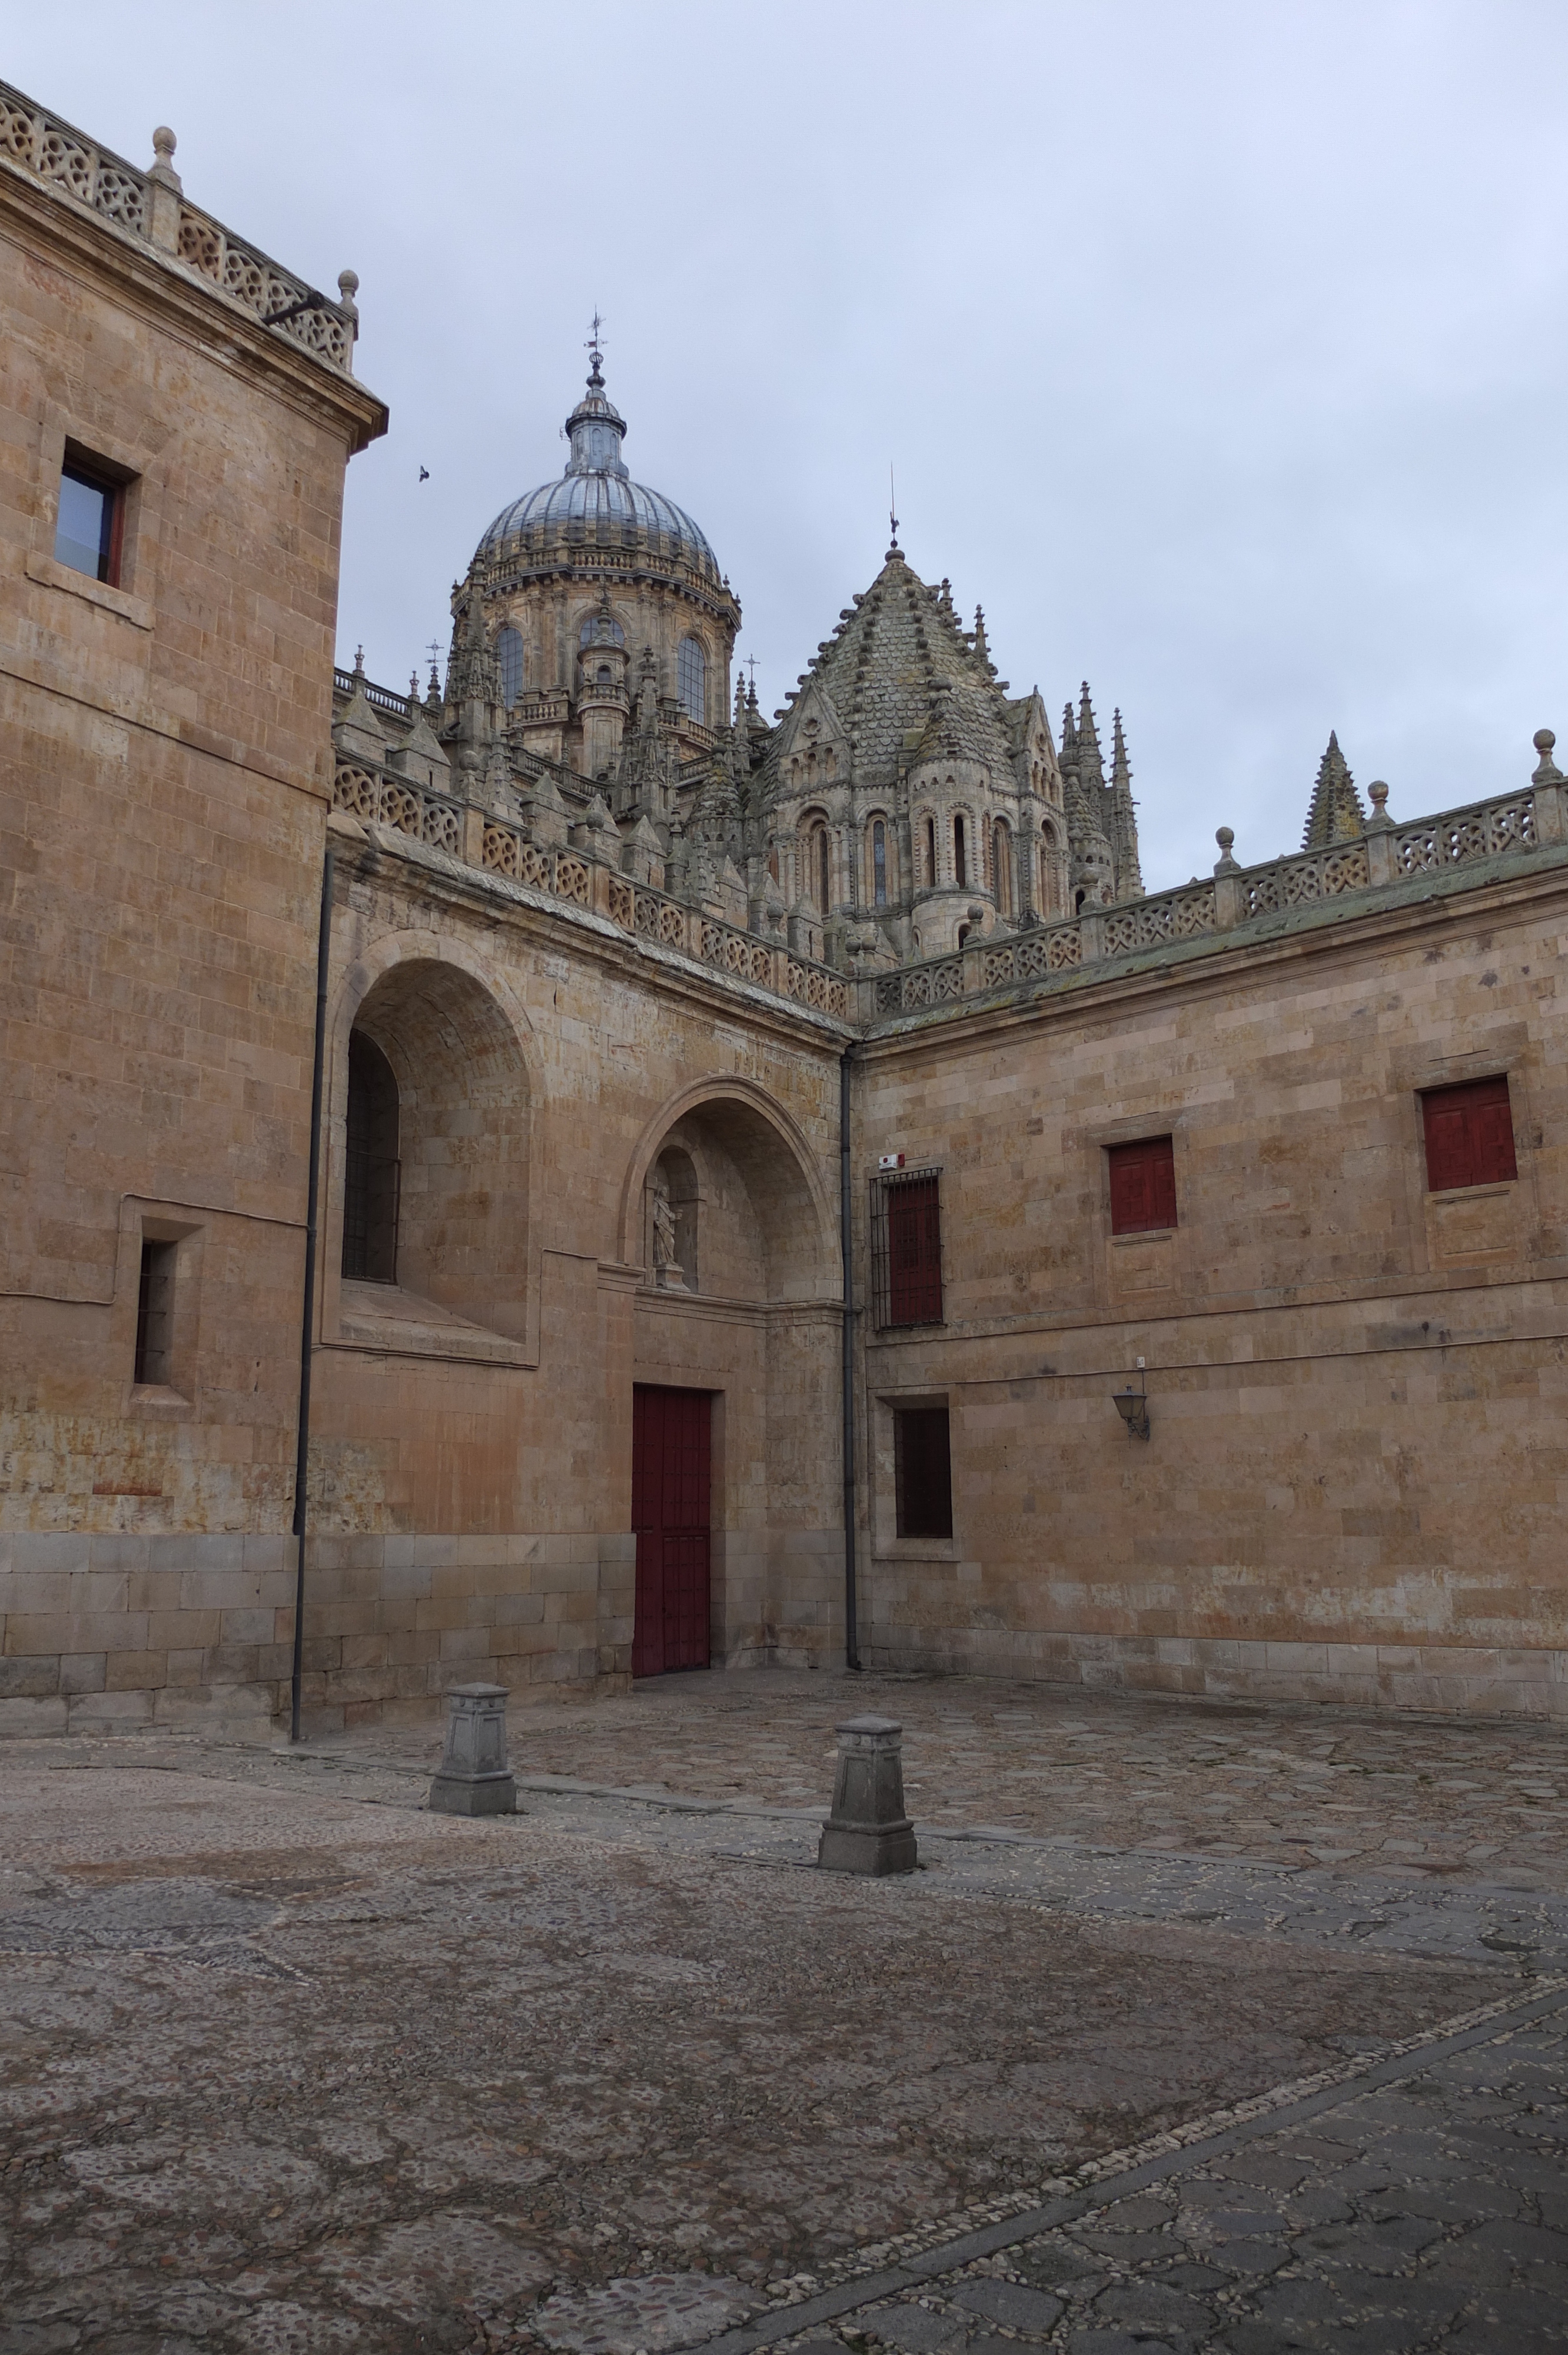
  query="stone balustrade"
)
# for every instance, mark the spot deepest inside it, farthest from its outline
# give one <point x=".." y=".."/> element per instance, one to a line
<point x="482" y="840"/>
<point x="1513" y="826"/>
<point x="151" y="206"/>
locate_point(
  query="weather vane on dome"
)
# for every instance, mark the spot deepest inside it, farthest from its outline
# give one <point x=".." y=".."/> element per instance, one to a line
<point x="892" y="506"/>
<point x="592" y="346"/>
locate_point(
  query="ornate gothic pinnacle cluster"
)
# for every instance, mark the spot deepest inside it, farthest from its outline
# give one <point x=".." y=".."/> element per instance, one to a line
<point x="903" y="802"/>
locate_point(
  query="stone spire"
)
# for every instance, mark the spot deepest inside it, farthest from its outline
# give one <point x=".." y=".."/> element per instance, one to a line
<point x="982" y="651"/>
<point x="1335" y="813"/>
<point x="1091" y="765"/>
<point x="1128" y="873"/>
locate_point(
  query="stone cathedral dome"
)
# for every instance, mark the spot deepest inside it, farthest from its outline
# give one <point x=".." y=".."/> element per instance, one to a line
<point x="596" y="501"/>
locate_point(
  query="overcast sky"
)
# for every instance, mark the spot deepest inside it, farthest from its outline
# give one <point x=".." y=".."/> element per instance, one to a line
<point x="1219" y="350"/>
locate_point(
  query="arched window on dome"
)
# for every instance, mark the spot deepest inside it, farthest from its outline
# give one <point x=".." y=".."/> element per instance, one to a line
<point x="601" y="630"/>
<point x="878" y="864"/>
<point x="692" y="679"/>
<point x="960" y="855"/>
<point x="509" y="661"/>
<point x="931" y="853"/>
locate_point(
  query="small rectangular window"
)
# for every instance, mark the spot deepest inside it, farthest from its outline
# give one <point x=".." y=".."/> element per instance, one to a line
<point x="90" y="524"/>
<point x="1142" y="1184"/>
<point x="156" y="1314"/>
<point x="906" y="1249"/>
<point x="922" y="1472"/>
<point x="1469" y="1135"/>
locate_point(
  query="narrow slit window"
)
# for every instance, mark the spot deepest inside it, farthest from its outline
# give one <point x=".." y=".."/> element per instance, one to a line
<point x="879" y="865"/>
<point x="691" y="679"/>
<point x="931" y="852"/>
<point x="960" y="856"/>
<point x="922" y="1472"/>
<point x="509" y="658"/>
<point x="906" y="1249"/>
<point x="1468" y="1135"/>
<point x="1142" y="1184"/>
<point x="88" y="525"/>
<point x="156" y="1314"/>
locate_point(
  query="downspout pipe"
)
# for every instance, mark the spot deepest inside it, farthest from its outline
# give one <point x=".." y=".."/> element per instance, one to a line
<point x="308" y="1307"/>
<point x="846" y="1212"/>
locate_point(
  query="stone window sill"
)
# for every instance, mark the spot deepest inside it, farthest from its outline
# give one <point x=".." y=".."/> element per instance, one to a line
<point x="157" y="1398"/>
<point x="1494" y="1187"/>
<point x="51" y="574"/>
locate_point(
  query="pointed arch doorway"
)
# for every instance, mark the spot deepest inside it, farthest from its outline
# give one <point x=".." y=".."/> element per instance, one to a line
<point x="671" y="1484"/>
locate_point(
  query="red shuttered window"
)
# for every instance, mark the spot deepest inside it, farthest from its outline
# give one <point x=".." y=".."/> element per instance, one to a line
<point x="906" y="1249"/>
<point x="1142" y="1184"/>
<point x="1469" y="1135"/>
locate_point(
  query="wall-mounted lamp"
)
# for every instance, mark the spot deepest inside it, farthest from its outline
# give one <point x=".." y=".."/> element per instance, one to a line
<point x="1132" y="1405"/>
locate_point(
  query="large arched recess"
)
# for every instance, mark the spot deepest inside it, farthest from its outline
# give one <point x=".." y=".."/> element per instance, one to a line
<point x="793" y="1213"/>
<point x="456" y="1039"/>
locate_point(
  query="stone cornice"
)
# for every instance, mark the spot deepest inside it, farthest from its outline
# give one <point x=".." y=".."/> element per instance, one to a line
<point x="65" y="234"/>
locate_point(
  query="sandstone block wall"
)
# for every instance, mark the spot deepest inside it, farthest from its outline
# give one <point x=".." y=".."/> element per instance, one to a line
<point x="1355" y="1481"/>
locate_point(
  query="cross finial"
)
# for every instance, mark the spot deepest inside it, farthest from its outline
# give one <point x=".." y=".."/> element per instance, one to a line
<point x="434" y="651"/>
<point x="592" y="347"/>
<point x="751" y="667"/>
<point x="893" y="507"/>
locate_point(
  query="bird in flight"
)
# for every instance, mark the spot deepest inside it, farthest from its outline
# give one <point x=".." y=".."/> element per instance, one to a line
<point x="424" y="474"/>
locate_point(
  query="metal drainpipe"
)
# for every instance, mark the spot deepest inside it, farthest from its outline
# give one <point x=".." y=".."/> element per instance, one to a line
<point x="852" y="1623"/>
<point x="308" y="1312"/>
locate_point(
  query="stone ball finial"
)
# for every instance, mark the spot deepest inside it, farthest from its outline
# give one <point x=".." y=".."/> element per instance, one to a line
<point x="1546" y="769"/>
<point x="1543" y="739"/>
<point x="163" y="143"/>
<point x="1379" y="792"/>
<point x="348" y="285"/>
<point x="1224" y="836"/>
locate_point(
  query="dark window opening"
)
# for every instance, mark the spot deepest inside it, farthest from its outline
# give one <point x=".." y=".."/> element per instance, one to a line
<point x="372" y="1170"/>
<point x="922" y="1472"/>
<point x="156" y="1314"/>
<point x="931" y="852"/>
<point x="960" y="856"/>
<point x="879" y="865"/>
<point x="90" y="525"/>
<point x="1001" y="861"/>
<point x="1469" y="1135"/>
<point x="906" y="1249"/>
<point x="1142" y="1184"/>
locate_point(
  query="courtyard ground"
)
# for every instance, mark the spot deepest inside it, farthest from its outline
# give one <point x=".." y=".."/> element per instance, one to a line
<point x="1200" y="2026"/>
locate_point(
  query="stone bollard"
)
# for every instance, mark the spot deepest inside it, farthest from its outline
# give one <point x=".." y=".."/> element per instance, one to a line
<point x="473" y="1778"/>
<point x="868" y="1831"/>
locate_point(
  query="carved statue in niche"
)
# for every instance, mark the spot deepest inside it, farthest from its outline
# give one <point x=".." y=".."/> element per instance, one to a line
<point x="668" y="1272"/>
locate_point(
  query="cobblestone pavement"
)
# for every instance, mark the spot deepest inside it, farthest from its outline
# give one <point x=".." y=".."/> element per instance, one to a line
<point x="1412" y="1795"/>
<point x="290" y="2064"/>
<point x="1428" y="2211"/>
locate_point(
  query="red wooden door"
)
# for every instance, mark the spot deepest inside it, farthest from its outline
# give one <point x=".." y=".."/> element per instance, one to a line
<point x="670" y="1479"/>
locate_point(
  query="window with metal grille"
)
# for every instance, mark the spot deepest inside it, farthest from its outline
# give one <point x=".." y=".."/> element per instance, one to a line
<point x="692" y="679"/>
<point x="906" y="1248"/>
<point x="1469" y="1135"/>
<point x="922" y="1472"/>
<point x="155" y="1312"/>
<point x="509" y="658"/>
<point x="1142" y="1184"/>
<point x="372" y="1170"/>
